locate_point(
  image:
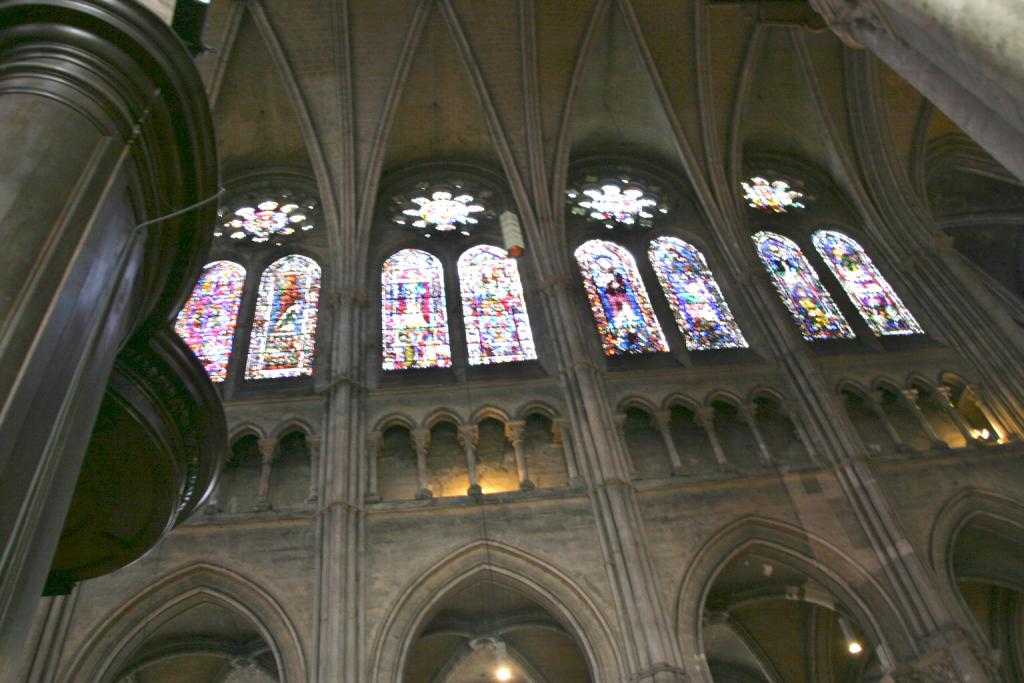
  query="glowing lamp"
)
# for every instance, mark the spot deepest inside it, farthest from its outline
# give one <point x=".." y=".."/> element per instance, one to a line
<point x="503" y="673"/>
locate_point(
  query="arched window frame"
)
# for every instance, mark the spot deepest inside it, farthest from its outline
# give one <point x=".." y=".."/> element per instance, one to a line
<point x="836" y="325"/>
<point x="215" y="362"/>
<point x="729" y="335"/>
<point x="612" y="341"/>
<point x="896" y="319"/>
<point x="441" y="354"/>
<point x="309" y="322"/>
<point x="514" y="319"/>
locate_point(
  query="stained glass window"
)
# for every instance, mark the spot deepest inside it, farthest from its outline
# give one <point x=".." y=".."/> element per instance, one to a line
<point x="878" y="304"/>
<point x="700" y="309"/>
<point x="269" y="219"/>
<point x="497" y="326"/>
<point x="443" y="211"/>
<point x="806" y="298"/>
<point x="775" y="196"/>
<point x="618" y="300"/>
<point x="284" y="329"/>
<point x="207" y="321"/>
<point x="414" y="317"/>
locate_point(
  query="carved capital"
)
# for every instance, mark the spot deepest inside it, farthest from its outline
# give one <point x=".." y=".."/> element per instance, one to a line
<point x="559" y="430"/>
<point x="515" y="431"/>
<point x="912" y="395"/>
<point x="664" y="419"/>
<point x="374" y="442"/>
<point x="421" y="440"/>
<point x="620" y="420"/>
<point x="313" y="443"/>
<point x="267" y="448"/>
<point x="847" y="17"/>
<point x="468" y="435"/>
<point x="705" y="416"/>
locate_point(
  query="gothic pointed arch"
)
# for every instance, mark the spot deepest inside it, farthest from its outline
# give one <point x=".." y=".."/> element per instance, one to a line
<point x="700" y="309"/>
<point x="414" y="313"/>
<point x="832" y="578"/>
<point x="119" y="639"/>
<point x="207" y="320"/>
<point x="867" y="288"/>
<point x="284" y="328"/>
<point x="810" y="304"/>
<point x="618" y="300"/>
<point x="493" y="308"/>
<point x="548" y="586"/>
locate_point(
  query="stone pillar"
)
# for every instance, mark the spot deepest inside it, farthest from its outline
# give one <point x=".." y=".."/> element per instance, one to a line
<point x="104" y="127"/>
<point x="978" y="396"/>
<point x="374" y="443"/>
<point x="620" y="424"/>
<point x="945" y="395"/>
<point x="648" y="642"/>
<point x="791" y="412"/>
<point x="560" y="435"/>
<point x="313" y="444"/>
<point x="705" y="417"/>
<point x="514" y="432"/>
<point x="48" y="634"/>
<point x="664" y="420"/>
<point x="268" y="448"/>
<point x="960" y="54"/>
<point x="748" y="414"/>
<point x="421" y="440"/>
<point x="468" y="437"/>
<point x="910" y="399"/>
<point x="874" y="400"/>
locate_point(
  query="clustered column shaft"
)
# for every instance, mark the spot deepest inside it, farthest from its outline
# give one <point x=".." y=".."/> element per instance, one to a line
<point x="515" y="432"/>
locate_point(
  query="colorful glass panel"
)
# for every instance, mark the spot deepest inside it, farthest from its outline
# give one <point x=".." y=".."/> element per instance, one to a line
<point x="618" y="300"/>
<point x="878" y="304"/>
<point x="207" y="321"/>
<point x="797" y="282"/>
<point x="700" y="309"/>
<point x="443" y="211"/>
<point x="413" y="311"/>
<point x="493" y="308"/>
<point x="775" y="196"/>
<point x="284" y="329"/>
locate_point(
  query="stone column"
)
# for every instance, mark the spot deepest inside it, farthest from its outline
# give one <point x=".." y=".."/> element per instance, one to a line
<point x="268" y="448"/>
<point x="791" y="412"/>
<point x="48" y="634"/>
<point x="874" y="400"/>
<point x="664" y="421"/>
<point x="313" y="444"/>
<point x="946" y="401"/>
<point x="560" y="435"/>
<point x="104" y="127"/>
<point x="748" y="414"/>
<point x="960" y="54"/>
<point x="374" y="443"/>
<point x="468" y="437"/>
<point x="620" y="424"/>
<point x="705" y="417"/>
<point x="978" y="395"/>
<point x="910" y="399"/>
<point x="514" y="432"/>
<point x="421" y="440"/>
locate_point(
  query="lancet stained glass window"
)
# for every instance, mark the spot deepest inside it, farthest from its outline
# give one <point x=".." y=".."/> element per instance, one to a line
<point x="878" y="304"/>
<point x="618" y="300"/>
<point x="284" y="329"/>
<point x="414" y="319"/>
<point x="207" y="321"/>
<point x="797" y="282"/>
<point x="700" y="309"/>
<point x="493" y="308"/>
